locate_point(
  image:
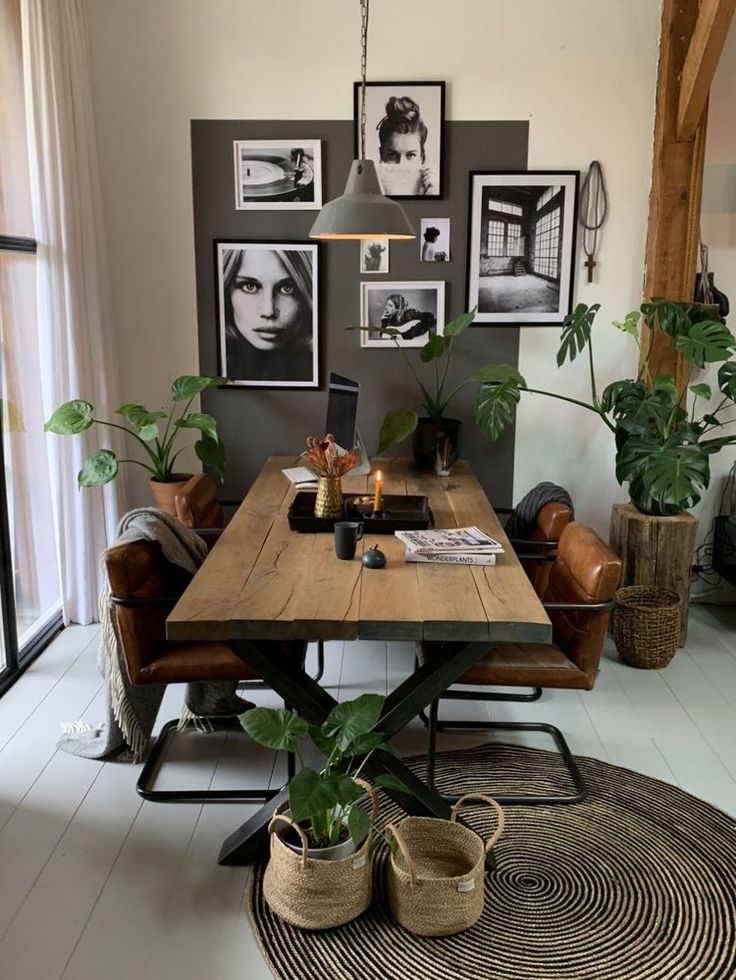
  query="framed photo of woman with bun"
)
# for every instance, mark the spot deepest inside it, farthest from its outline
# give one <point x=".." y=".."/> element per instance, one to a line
<point x="403" y="135"/>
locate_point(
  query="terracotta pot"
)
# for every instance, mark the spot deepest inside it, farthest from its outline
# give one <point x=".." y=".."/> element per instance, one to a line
<point x="165" y="493"/>
<point x="426" y="435"/>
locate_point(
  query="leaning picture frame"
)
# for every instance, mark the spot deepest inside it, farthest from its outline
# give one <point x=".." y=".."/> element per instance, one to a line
<point x="521" y="246"/>
<point x="415" y="309"/>
<point x="278" y="175"/>
<point x="268" y="313"/>
<point x="405" y="124"/>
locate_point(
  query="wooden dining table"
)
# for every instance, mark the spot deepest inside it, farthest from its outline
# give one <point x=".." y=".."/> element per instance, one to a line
<point x="263" y="582"/>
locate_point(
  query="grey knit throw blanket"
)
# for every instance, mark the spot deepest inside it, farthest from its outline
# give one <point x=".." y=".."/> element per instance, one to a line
<point x="523" y="517"/>
<point x="132" y="709"/>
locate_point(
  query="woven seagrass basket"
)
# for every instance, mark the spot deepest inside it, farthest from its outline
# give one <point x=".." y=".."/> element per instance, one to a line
<point x="646" y="625"/>
<point x="434" y="879"/>
<point x="317" y="894"/>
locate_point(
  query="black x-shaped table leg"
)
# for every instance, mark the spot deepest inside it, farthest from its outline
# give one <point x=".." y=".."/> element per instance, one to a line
<point x="314" y="703"/>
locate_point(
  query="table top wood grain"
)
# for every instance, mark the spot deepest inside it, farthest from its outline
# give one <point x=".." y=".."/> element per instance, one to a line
<point x="264" y="581"/>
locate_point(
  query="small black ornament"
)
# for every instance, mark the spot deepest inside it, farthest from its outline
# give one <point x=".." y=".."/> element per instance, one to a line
<point x="374" y="558"/>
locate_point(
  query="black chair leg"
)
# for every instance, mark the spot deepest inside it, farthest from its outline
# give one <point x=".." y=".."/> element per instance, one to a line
<point x="155" y="760"/>
<point x="581" y="789"/>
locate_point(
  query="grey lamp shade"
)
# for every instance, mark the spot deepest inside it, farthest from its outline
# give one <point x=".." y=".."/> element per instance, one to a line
<point x="362" y="211"/>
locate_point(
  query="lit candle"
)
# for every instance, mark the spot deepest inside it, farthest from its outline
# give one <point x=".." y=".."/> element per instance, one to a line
<point x="378" y="499"/>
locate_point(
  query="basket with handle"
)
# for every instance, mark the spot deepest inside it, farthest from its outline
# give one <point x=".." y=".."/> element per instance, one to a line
<point x="434" y="878"/>
<point x="312" y="893"/>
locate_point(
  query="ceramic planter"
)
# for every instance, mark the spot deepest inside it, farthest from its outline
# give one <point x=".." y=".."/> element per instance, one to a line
<point x="165" y="493"/>
<point x="426" y="436"/>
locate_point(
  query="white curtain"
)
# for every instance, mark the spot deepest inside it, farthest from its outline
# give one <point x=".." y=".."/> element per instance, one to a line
<point x="74" y="309"/>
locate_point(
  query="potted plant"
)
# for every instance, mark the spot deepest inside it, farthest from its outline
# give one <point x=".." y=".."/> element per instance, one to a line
<point x="320" y="874"/>
<point x="663" y="447"/>
<point x="157" y="433"/>
<point x="435" y="397"/>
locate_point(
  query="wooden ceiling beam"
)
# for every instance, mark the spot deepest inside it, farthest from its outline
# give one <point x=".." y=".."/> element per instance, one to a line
<point x="704" y="50"/>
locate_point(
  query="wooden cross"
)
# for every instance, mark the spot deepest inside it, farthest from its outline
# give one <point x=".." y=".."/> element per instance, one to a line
<point x="589" y="263"/>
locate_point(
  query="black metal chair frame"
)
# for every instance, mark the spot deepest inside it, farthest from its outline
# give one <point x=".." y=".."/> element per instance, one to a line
<point x="434" y="725"/>
<point x="157" y="753"/>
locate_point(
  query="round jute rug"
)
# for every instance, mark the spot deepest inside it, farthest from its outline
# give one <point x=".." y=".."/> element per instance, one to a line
<point x="637" y="883"/>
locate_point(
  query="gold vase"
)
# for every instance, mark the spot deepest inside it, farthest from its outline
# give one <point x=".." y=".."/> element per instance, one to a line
<point x="328" y="502"/>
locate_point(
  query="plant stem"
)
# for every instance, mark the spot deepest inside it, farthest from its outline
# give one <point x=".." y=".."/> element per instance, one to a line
<point x="423" y="390"/>
<point x="573" y="401"/>
<point x="129" y="432"/>
<point x="138" y="463"/>
<point x="592" y="371"/>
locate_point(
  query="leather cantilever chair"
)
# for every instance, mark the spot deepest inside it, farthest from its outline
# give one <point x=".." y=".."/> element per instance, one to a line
<point x="144" y="588"/>
<point x="578" y="597"/>
<point x="199" y="508"/>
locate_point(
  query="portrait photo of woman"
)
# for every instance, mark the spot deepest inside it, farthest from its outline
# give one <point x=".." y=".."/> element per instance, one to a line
<point x="404" y="135"/>
<point x="268" y="314"/>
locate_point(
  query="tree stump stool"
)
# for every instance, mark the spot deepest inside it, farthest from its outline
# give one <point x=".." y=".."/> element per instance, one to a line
<point x="655" y="551"/>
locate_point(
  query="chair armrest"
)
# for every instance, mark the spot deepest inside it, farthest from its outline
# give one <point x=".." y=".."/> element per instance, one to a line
<point x="531" y="543"/>
<point x="538" y="558"/>
<point x="589" y="607"/>
<point x="210" y="532"/>
<point x="134" y="602"/>
<point x="231" y="503"/>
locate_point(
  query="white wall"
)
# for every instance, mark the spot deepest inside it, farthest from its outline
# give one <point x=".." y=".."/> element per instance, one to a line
<point x="583" y="73"/>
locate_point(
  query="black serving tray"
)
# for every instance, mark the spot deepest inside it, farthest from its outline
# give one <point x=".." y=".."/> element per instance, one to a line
<point x="400" y="513"/>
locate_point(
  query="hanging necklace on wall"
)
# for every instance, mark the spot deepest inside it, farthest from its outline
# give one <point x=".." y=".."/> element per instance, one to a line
<point x="593" y="213"/>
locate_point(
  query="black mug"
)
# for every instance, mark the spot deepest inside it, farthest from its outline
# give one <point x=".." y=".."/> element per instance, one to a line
<point x="347" y="536"/>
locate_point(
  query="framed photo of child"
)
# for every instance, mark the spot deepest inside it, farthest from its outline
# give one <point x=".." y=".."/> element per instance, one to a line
<point x="404" y="135"/>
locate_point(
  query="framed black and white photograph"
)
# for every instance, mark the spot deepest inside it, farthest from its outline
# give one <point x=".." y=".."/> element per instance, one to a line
<point x="278" y="175"/>
<point x="404" y="132"/>
<point x="521" y="247"/>
<point x="268" y="313"/>
<point x="415" y="309"/>
<point x="374" y="256"/>
<point x="434" y="243"/>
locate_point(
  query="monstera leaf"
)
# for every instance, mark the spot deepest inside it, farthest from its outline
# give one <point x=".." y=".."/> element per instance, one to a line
<point x="727" y="379"/>
<point x="665" y="479"/>
<point x="706" y="343"/>
<point x="499" y="391"/>
<point x="672" y="317"/>
<point x="575" y="334"/>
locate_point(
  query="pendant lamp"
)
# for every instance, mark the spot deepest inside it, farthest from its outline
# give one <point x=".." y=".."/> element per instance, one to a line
<point x="363" y="211"/>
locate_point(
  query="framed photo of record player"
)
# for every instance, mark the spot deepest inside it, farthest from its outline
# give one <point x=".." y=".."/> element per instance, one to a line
<point x="278" y="175"/>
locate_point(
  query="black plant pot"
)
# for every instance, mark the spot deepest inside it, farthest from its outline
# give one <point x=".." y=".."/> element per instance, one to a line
<point x="426" y="435"/>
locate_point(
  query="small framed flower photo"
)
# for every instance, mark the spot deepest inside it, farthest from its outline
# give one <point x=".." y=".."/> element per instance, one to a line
<point x="268" y="313"/>
<point x="521" y="248"/>
<point x="278" y="175"/>
<point x="404" y="133"/>
<point x="407" y="313"/>
<point x="374" y="256"/>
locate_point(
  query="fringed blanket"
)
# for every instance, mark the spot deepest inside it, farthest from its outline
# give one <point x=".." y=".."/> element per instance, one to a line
<point x="132" y="709"/>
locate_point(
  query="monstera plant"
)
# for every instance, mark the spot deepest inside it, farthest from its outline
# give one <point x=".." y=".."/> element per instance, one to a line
<point x="664" y="436"/>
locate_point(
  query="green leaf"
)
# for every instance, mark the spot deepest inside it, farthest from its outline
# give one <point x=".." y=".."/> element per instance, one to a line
<point x="350" y="719"/>
<point x="575" y="334"/>
<point x="388" y="782"/>
<point x="706" y="343"/>
<point x="622" y="397"/>
<point x="212" y="454"/>
<point x="397" y="425"/>
<point x="323" y="742"/>
<point x="364" y="744"/>
<point x="630" y="324"/>
<point x="359" y="825"/>
<point x="70" y="418"/>
<point x="671" y="476"/>
<point x="455" y="327"/>
<point x="434" y="348"/>
<point x="673" y="318"/>
<point x="711" y="419"/>
<point x="497" y="398"/>
<point x="276" y="728"/>
<point x="312" y="793"/>
<point x="727" y="379"/>
<point x="97" y="469"/>
<point x="199" y="420"/>
<point x="189" y="385"/>
<point x="701" y="391"/>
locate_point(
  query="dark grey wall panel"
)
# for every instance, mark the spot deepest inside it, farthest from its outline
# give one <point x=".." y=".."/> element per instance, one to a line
<point x="257" y="423"/>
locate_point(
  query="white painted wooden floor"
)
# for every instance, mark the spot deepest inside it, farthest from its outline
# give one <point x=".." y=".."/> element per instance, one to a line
<point x="95" y="885"/>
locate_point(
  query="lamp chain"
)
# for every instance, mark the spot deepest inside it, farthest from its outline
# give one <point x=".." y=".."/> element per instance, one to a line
<point x="363" y="68"/>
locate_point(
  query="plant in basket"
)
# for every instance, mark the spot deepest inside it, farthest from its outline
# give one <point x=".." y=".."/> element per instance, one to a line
<point x="320" y="870"/>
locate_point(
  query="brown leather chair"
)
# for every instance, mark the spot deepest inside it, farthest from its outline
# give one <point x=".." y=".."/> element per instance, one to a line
<point x="144" y="587"/>
<point x="578" y="597"/>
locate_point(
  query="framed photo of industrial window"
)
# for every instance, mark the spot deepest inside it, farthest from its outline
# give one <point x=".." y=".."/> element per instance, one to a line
<point x="521" y="247"/>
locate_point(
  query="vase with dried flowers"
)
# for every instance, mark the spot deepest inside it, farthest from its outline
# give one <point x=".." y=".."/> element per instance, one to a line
<point x="329" y="464"/>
